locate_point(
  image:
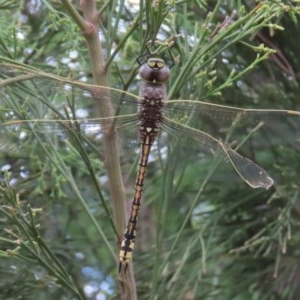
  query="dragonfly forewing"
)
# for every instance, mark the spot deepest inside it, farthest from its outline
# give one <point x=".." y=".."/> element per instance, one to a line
<point x="277" y="126"/>
<point x="54" y="93"/>
<point x="52" y="106"/>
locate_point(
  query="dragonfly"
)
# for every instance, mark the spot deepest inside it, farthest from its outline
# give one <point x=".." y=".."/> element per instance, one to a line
<point x="150" y="113"/>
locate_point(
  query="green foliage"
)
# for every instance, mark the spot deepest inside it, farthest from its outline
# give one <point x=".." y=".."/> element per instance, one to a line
<point x="202" y="232"/>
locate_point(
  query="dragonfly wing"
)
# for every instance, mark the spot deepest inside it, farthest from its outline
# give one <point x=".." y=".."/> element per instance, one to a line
<point x="43" y="96"/>
<point x="56" y="109"/>
<point x="51" y="105"/>
<point x="57" y="126"/>
<point x="251" y="173"/>
<point x="276" y="126"/>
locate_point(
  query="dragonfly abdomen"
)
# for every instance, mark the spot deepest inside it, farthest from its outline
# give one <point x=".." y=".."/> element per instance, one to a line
<point x="147" y="137"/>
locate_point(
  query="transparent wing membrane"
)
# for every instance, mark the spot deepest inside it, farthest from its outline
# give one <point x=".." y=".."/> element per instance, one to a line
<point x="52" y="106"/>
<point x="250" y="172"/>
<point x="277" y="126"/>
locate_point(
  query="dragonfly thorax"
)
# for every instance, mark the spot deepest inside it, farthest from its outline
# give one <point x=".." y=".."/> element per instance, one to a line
<point x="151" y="105"/>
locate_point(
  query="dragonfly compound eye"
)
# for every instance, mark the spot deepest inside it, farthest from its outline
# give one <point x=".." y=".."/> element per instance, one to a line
<point x="155" y="71"/>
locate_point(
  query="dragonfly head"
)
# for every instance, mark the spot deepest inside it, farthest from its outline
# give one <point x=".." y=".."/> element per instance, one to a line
<point x="155" y="71"/>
